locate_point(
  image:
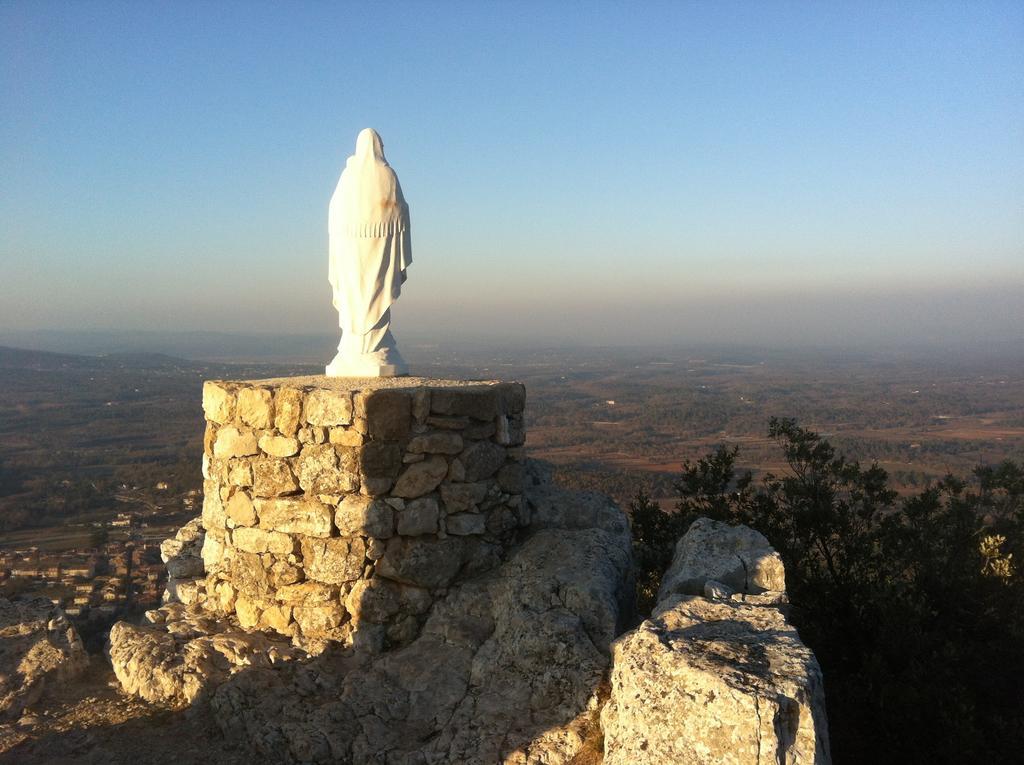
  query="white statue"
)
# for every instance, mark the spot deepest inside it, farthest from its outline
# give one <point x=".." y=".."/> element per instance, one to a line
<point x="370" y="249"/>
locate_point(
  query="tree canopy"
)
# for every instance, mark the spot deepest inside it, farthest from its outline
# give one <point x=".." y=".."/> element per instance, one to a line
<point x="913" y="605"/>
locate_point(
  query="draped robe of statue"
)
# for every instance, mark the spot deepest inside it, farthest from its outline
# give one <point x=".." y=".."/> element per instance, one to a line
<point x="370" y="250"/>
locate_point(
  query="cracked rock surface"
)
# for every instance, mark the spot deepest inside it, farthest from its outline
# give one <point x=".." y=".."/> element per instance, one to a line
<point x="38" y="648"/>
<point x="736" y="556"/>
<point x="716" y="679"/>
<point x="506" y="668"/>
<point x="183" y="653"/>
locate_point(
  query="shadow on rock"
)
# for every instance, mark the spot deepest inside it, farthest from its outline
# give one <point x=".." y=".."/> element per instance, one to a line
<point x="507" y="665"/>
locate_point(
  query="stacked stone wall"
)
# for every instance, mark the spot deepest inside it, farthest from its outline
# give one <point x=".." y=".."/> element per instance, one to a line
<point x="338" y="514"/>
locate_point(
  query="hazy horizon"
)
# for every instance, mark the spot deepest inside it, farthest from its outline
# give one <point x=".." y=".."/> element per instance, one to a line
<point x="317" y="348"/>
<point x="785" y="174"/>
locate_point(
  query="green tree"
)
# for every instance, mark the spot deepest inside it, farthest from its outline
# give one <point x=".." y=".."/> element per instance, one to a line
<point x="914" y="607"/>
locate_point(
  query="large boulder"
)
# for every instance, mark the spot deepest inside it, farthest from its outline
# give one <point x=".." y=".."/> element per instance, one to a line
<point x="717" y="679"/>
<point x="706" y="681"/>
<point x="506" y="669"/>
<point x="738" y="557"/>
<point x="182" y="653"/>
<point x="38" y="648"/>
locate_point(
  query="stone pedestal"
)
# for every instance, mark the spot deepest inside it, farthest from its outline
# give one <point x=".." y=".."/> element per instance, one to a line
<point x="339" y="509"/>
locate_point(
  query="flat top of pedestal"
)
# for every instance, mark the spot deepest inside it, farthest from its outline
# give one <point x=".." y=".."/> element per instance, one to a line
<point x="365" y="383"/>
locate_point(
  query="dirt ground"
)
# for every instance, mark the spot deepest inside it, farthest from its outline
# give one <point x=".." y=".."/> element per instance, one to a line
<point x="91" y="722"/>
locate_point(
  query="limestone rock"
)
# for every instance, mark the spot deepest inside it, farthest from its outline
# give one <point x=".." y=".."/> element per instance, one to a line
<point x="186" y="541"/>
<point x="478" y="403"/>
<point x="218" y="403"/>
<point x="319" y="620"/>
<point x="424" y="562"/>
<point x="722" y="680"/>
<point x="279" y="446"/>
<point x="503" y="670"/>
<point x="334" y="561"/>
<point x="256" y="407"/>
<point x="273" y="478"/>
<point x="185" y="653"/>
<point x="276" y="618"/>
<point x="387" y="413"/>
<point x="312" y="435"/>
<point x="448" y="423"/>
<point x="715" y="682"/>
<point x="374" y="600"/>
<point x="295" y="515"/>
<point x="464" y="524"/>
<point x="321" y="472"/>
<point x="418" y="517"/>
<point x="240" y="509"/>
<point x="735" y="556"/>
<point x="240" y="472"/>
<point x="364" y="516"/>
<point x="307" y="594"/>
<point x="261" y="541"/>
<point x="456" y="471"/>
<point x="463" y="497"/>
<point x="421" y="405"/>
<point x="248" y="610"/>
<point x="375" y="548"/>
<point x="499" y="521"/>
<point x="212" y="553"/>
<point x="482" y="460"/>
<point x="374" y="487"/>
<point x="438" y="442"/>
<point x="380" y="460"/>
<point x="282" y="572"/>
<point x="288" y="411"/>
<point x="511" y="431"/>
<point x="511" y="478"/>
<point x="505" y="667"/>
<point x="39" y="649"/>
<point x="421" y="478"/>
<point x="513" y="398"/>
<point x="233" y="442"/>
<point x="247" y="574"/>
<point x="182" y="553"/>
<point x="480" y="430"/>
<point x="328" y="407"/>
<point x="345" y="437"/>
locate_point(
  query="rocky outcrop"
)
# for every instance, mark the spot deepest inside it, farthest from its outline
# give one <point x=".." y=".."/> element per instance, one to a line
<point x="381" y="576"/>
<point x="506" y="666"/>
<point x="720" y="679"/>
<point x="730" y="558"/>
<point x="182" y="554"/>
<point x="38" y="647"/>
<point x="183" y="652"/>
<point x="505" y="670"/>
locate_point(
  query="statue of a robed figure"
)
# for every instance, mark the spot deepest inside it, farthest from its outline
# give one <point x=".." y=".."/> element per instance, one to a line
<point x="370" y="250"/>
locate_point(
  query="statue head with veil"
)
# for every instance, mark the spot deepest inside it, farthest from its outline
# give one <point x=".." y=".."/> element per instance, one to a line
<point x="370" y="250"/>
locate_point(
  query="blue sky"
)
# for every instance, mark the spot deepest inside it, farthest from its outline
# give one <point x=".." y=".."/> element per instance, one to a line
<point x="803" y="172"/>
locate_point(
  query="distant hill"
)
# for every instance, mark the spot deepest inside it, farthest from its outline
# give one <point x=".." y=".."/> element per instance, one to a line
<point x="218" y="346"/>
<point x="24" y="358"/>
<point x="41" y="361"/>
